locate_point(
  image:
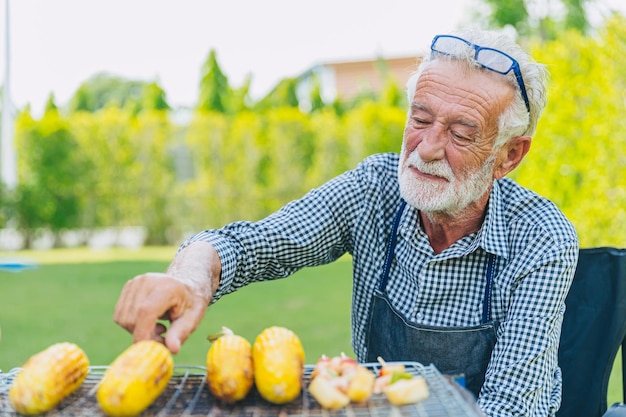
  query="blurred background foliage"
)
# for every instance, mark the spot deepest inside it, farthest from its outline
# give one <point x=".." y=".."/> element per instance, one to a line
<point x="117" y="155"/>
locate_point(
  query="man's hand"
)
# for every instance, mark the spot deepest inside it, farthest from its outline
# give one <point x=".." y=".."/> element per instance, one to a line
<point x="150" y="297"/>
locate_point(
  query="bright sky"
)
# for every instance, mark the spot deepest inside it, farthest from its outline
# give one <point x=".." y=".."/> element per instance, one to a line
<point x="55" y="45"/>
<point x="58" y="44"/>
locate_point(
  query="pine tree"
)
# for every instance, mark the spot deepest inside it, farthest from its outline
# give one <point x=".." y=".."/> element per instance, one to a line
<point x="215" y="93"/>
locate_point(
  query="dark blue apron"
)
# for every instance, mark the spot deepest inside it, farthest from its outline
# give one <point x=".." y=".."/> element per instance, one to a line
<point x="453" y="350"/>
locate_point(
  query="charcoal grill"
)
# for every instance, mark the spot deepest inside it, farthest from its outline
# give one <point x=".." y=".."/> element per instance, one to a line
<point x="187" y="395"/>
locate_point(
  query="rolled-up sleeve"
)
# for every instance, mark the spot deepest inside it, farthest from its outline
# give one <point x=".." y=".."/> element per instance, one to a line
<point x="310" y="231"/>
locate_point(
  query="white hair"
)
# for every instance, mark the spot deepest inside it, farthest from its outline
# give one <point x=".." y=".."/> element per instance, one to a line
<point x="515" y="120"/>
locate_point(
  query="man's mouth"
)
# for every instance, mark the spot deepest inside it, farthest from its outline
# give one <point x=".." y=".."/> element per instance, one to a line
<point x="427" y="176"/>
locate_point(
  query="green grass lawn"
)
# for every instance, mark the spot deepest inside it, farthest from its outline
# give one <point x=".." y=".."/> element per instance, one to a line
<point x="71" y="295"/>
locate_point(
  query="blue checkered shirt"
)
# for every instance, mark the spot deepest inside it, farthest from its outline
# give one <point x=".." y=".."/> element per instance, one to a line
<point x="535" y="245"/>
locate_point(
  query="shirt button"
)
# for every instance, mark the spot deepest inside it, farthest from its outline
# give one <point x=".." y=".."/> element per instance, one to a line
<point x="419" y="315"/>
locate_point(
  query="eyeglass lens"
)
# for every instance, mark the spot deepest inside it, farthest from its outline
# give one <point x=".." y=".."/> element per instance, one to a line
<point x="489" y="58"/>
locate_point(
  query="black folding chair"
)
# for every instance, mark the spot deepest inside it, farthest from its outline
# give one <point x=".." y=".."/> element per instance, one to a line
<point x="594" y="327"/>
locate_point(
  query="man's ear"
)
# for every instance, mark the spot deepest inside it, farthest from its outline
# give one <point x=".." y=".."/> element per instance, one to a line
<point x="511" y="155"/>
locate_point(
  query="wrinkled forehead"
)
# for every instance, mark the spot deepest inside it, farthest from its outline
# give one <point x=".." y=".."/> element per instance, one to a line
<point x="460" y="72"/>
<point x="455" y="73"/>
<point x="456" y="85"/>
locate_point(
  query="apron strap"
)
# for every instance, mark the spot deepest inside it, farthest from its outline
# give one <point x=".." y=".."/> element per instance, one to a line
<point x="491" y="263"/>
<point x="391" y="246"/>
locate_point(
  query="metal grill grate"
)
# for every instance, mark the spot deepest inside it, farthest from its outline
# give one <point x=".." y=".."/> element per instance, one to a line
<point x="188" y="395"/>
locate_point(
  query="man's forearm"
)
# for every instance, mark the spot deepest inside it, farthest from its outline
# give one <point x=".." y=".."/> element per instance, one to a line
<point x="198" y="266"/>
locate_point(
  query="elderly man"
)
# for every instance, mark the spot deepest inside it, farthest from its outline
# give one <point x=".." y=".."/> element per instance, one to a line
<point x="454" y="264"/>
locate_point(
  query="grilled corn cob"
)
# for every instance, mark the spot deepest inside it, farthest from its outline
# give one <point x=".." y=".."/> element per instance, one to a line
<point x="278" y="359"/>
<point x="135" y="379"/>
<point x="230" y="373"/>
<point x="48" y="377"/>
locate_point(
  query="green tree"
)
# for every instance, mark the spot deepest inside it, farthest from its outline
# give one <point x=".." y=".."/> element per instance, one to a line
<point x="104" y="89"/>
<point x="112" y="194"/>
<point x="82" y="100"/>
<point x="373" y="127"/>
<point x="48" y="194"/>
<point x="577" y="157"/>
<point x="515" y="13"/>
<point x="315" y="96"/>
<point x="331" y="154"/>
<point x="50" y="104"/>
<point x="284" y="94"/>
<point x="6" y="204"/>
<point x="153" y="174"/>
<point x="392" y="94"/>
<point x="201" y="197"/>
<point x="153" y="97"/>
<point x="288" y="144"/>
<point x="241" y="101"/>
<point x="215" y="92"/>
<point x="575" y="16"/>
<point x="242" y="151"/>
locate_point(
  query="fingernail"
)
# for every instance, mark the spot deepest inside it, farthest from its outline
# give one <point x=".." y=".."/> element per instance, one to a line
<point x="174" y="346"/>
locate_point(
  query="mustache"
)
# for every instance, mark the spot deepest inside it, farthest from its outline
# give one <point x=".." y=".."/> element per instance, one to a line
<point x="438" y="168"/>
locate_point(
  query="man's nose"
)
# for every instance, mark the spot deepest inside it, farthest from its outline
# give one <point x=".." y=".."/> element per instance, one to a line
<point x="432" y="147"/>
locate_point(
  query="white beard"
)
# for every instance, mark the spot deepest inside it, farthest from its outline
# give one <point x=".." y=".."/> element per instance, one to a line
<point x="449" y="197"/>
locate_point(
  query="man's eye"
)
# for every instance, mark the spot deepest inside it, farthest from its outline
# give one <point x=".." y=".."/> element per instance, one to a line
<point x="462" y="139"/>
<point x="420" y="122"/>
